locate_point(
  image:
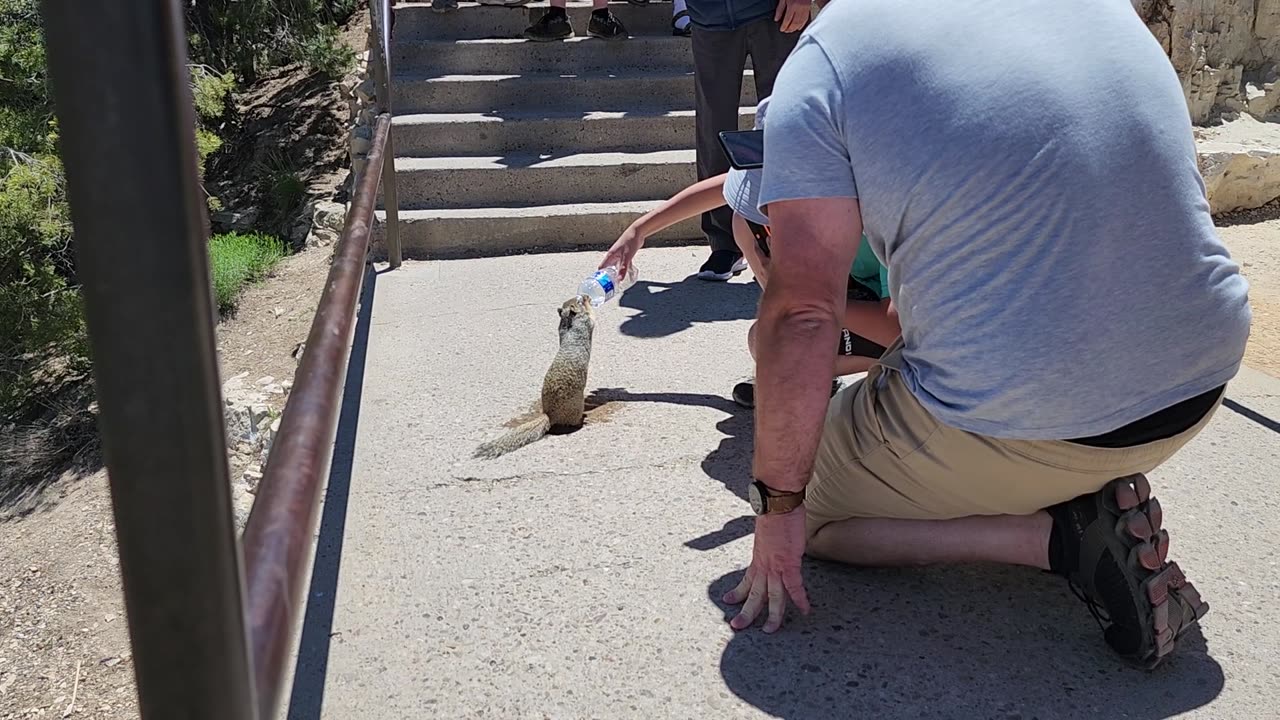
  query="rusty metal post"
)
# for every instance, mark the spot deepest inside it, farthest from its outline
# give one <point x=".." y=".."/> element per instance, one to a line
<point x="120" y="81"/>
<point x="278" y="538"/>
<point x="380" y="57"/>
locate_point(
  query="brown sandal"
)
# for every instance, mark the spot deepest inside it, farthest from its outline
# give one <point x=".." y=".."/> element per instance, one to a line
<point x="1115" y="555"/>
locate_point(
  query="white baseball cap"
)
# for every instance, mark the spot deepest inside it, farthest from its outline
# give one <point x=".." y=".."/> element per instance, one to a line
<point x="742" y="187"/>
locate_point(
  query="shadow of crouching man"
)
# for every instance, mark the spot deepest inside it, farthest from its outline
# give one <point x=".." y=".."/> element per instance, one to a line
<point x="954" y="642"/>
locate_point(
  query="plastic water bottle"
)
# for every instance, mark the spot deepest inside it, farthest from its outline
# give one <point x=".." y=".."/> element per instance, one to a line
<point x="607" y="283"/>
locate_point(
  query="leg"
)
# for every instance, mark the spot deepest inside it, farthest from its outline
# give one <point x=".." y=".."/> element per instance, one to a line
<point x="845" y="364"/>
<point x="719" y="58"/>
<point x="680" y="23"/>
<point x="1008" y="539"/>
<point x="553" y="25"/>
<point x="769" y="48"/>
<point x="746" y="243"/>
<point x="1082" y="512"/>
<point x="604" y="24"/>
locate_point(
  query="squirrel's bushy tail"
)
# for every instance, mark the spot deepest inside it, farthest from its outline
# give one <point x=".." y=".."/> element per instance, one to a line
<point x="523" y="434"/>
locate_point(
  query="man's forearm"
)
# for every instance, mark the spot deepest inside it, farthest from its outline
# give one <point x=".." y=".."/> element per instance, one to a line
<point x="794" y="367"/>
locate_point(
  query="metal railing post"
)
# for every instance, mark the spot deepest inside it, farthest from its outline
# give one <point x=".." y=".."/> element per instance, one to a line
<point x="380" y="56"/>
<point x="120" y="81"/>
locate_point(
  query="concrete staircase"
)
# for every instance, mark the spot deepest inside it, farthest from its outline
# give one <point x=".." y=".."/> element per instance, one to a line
<point x="506" y="145"/>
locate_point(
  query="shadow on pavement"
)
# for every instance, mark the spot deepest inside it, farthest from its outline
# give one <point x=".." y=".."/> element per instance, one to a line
<point x="973" y="641"/>
<point x="730" y="462"/>
<point x="307" y="696"/>
<point x="669" y="308"/>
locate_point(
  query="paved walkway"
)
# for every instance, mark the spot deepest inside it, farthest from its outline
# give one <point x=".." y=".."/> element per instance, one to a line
<point x="580" y="577"/>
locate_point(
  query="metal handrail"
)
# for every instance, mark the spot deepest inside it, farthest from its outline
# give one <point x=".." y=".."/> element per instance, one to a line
<point x="278" y="539"/>
<point x="118" y="73"/>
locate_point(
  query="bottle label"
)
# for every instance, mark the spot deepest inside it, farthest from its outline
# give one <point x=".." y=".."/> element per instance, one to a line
<point x="605" y="283"/>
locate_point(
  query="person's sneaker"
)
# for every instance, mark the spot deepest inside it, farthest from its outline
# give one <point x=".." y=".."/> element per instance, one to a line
<point x="722" y="265"/>
<point x="606" y="26"/>
<point x="442" y="6"/>
<point x="553" y="25"/>
<point x="744" y="393"/>
<point x="1142" y="602"/>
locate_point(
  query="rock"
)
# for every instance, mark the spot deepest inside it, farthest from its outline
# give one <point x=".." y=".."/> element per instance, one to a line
<point x="253" y="477"/>
<point x="241" y="504"/>
<point x="233" y="221"/>
<point x="365" y="90"/>
<point x="1240" y="163"/>
<point x="322" y="237"/>
<point x="260" y="413"/>
<point x="277" y="312"/>
<point x="1211" y="43"/>
<point x="360" y="146"/>
<point x="298" y="235"/>
<point x="244" y="412"/>
<point x="268" y="438"/>
<point x="329" y="214"/>
<point x="265" y="380"/>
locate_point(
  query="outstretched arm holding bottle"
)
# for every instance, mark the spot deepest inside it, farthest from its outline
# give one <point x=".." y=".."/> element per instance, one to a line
<point x="690" y="202"/>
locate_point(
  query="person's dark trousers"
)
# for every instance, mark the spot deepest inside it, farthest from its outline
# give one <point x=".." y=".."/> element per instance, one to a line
<point x="719" y="57"/>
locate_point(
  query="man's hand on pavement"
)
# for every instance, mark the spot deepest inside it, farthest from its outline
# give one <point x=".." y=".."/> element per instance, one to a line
<point x="792" y="15"/>
<point x="774" y="573"/>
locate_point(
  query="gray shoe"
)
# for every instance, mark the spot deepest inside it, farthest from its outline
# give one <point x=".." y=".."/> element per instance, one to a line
<point x="443" y="6"/>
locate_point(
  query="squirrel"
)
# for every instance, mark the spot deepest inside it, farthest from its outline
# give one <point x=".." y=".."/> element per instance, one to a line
<point x="563" y="387"/>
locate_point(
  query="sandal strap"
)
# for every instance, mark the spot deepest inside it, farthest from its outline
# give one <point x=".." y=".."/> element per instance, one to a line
<point x="1092" y="547"/>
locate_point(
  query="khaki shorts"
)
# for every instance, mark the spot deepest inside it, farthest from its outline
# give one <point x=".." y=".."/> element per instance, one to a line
<point x="884" y="455"/>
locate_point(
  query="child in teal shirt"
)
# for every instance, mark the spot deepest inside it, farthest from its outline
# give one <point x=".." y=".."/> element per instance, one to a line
<point x="870" y="323"/>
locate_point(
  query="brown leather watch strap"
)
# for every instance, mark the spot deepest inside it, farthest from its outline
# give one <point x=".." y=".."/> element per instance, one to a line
<point x="777" y="502"/>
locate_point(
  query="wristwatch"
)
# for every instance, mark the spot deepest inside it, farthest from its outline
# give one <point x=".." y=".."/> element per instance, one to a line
<point x="767" y="501"/>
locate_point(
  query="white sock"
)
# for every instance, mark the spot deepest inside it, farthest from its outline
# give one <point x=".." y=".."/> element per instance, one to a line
<point x="677" y="7"/>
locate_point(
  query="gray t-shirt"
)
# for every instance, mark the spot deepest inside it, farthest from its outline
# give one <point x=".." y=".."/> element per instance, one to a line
<point x="1026" y="170"/>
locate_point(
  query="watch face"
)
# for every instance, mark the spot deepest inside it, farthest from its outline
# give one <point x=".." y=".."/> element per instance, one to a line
<point x="755" y="498"/>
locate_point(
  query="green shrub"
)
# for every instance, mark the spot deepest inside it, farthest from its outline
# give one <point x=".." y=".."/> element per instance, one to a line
<point x="324" y="52"/>
<point x="26" y="115"/>
<point x="210" y="91"/>
<point x="40" y="320"/>
<point x="248" y="36"/>
<point x="238" y="259"/>
<point x="281" y="186"/>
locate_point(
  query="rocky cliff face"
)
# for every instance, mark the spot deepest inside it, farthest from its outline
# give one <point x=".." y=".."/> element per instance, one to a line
<point x="1225" y="51"/>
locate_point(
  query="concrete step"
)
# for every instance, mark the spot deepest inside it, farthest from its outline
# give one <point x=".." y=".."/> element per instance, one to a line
<point x="416" y="22"/>
<point x="496" y="231"/>
<point x="600" y="91"/>
<point x="531" y="179"/>
<point x="469" y="134"/>
<point x="579" y="54"/>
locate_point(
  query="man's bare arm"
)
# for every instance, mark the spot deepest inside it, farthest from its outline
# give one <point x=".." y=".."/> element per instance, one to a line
<point x="799" y="320"/>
